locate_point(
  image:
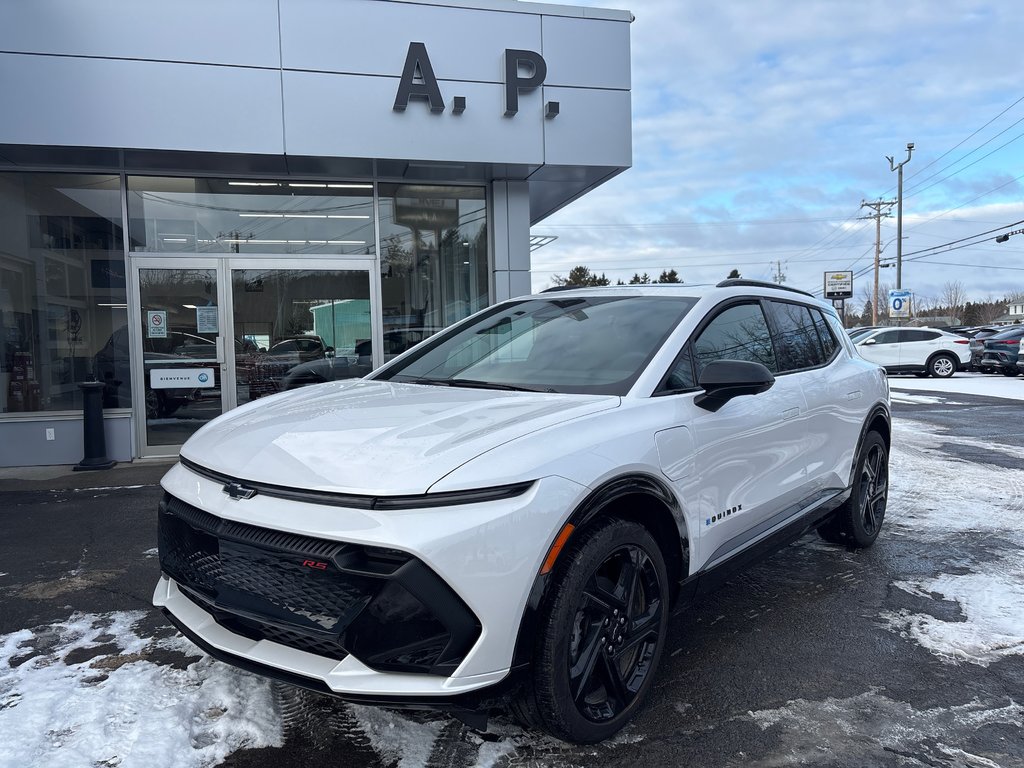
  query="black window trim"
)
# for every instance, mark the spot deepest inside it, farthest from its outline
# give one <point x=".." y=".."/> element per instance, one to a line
<point x="662" y="389"/>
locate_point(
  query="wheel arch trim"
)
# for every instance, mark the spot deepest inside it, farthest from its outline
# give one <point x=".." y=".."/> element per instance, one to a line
<point x="591" y="508"/>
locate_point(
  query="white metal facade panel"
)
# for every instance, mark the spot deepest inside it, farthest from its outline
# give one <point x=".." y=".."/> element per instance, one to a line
<point x="332" y="115"/>
<point x="593" y="128"/>
<point x="371" y="37"/>
<point x="586" y="53"/>
<point x="237" y="32"/>
<point x="139" y="104"/>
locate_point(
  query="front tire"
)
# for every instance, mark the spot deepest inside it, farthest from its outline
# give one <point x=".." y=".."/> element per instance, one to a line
<point x="858" y="521"/>
<point x="942" y="366"/>
<point x="601" y="634"/>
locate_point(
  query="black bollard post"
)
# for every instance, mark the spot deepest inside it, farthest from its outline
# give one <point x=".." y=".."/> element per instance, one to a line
<point x="92" y="428"/>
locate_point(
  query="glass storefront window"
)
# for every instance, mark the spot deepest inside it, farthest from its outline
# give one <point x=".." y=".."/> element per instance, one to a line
<point x="295" y="327"/>
<point x="195" y="215"/>
<point x="434" y="269"/>
<point x="63" y="305"/>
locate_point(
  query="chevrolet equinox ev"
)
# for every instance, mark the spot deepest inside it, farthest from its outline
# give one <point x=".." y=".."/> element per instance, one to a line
<point x="504" y="515"/>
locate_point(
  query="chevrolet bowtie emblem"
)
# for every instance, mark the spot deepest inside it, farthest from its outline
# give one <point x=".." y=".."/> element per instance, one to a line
<point x="239" y="491"/>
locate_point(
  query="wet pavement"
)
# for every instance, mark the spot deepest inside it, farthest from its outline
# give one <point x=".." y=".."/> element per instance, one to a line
<point x="910" y="653"/>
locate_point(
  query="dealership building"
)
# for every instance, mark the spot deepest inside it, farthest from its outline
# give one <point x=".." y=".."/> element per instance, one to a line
<point x="205" y="203"/>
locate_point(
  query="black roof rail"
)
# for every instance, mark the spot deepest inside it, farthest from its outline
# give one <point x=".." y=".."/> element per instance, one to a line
<point x="739" y="282"/>
<point x="555" y="288"/>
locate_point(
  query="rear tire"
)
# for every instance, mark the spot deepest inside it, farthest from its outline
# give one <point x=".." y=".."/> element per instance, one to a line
<point x="858" y="521"/>
<point x="942" y="366"/>
<point x="1009" y="372"/>
<point x="600" y="635"/>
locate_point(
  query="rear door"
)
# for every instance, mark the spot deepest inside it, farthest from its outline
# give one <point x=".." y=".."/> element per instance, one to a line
<point x="808" y="350"/>
<point x="917" y="345"/>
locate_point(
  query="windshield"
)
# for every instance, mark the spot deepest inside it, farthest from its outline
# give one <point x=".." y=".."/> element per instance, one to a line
<point x="591" y="345"/>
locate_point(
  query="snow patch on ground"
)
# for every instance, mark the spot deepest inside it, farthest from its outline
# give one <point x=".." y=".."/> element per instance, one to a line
<point x="396" y="739"/>
<point x="935" y="497"/>
<point x="992" y="604"/>
<point x="82" y="693"/>
<point x="933" y="494"/>
<point x="877" y="728"/>
<point x="899" y="397"/>
<point x="981" y="384"/>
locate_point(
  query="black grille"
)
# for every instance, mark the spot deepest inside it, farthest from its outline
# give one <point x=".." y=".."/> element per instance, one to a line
<point x="310" y="594"/>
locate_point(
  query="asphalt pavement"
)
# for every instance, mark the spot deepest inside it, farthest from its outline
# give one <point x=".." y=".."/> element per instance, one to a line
<point x="817" y="656"/>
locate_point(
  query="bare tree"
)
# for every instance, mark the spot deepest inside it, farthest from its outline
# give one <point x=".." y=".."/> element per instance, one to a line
<point x="954" y="298"/>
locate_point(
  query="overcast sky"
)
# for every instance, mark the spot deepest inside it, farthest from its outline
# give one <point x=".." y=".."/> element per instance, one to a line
<point x="759" y="126"/>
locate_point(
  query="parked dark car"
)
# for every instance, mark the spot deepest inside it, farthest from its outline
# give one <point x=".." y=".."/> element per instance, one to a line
<point x="977" y="337"/>
<point x="1002" y="351"/>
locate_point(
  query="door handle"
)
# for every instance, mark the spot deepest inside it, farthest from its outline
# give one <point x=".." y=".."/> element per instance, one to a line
<point x="220" y="349"/>
<point x="790" y="413"/>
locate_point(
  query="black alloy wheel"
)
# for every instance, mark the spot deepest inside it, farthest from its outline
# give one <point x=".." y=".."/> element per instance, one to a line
<point x="874" y="489"/>
<point x="602" y="635"/>
<point x="859" y="520"/>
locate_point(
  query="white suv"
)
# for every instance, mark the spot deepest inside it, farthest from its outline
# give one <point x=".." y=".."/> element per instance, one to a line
<point x="924" y="351"/>
<point x="505" y="513"/>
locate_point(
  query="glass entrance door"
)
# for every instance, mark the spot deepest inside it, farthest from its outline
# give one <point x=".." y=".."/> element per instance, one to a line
<point x="178" y="364"/>
<point x="215" y="333"/>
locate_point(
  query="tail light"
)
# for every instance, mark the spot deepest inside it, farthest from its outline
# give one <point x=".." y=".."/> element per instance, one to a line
<point x="962" y="341"/>
<point x="1010" y="341"/>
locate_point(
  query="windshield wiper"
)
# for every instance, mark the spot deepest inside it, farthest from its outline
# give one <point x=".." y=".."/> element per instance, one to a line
<point x="496" y="385"/>
<point x="475" y="384"/>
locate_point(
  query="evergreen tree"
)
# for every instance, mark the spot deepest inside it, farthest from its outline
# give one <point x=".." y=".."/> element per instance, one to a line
<point x="581" y="276"/>
<point x="669" y="277"/>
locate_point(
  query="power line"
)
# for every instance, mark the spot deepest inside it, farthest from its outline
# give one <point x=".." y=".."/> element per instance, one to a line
<point x="919" y="189"/>
<point x="964" y="141"/>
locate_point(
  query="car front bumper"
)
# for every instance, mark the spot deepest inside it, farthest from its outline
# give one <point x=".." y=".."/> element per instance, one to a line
<point x="485" y="555"/>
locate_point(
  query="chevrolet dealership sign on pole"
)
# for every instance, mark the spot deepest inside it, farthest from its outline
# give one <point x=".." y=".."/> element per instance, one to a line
<point x="839" y="288"/>
<point x="838" y="285"/>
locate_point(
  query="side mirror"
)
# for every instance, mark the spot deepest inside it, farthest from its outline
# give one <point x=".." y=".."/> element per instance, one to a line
<point x="722" y="380"/>
<point x="329" y="352"/>
<point x="868" y="342"/>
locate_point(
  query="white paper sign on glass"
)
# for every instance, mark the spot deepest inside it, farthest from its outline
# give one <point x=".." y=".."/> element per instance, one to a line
<point x="181" y="378"/>
<point x="206" y="320"/>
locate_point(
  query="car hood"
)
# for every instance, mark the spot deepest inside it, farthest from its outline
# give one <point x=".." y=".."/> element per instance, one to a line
<point x="375" y="437"/>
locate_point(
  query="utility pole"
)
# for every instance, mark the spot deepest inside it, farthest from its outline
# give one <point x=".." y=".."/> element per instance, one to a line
<point x="780" y="276"/>
<point x="899" y="213"/>
<point x="878" y="215"/>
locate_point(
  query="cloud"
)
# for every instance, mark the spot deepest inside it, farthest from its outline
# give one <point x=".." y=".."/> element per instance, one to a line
<point x="759" y="127"/>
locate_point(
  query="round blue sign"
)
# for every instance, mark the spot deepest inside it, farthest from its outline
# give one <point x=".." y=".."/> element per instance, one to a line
<point x="203" y="378"/>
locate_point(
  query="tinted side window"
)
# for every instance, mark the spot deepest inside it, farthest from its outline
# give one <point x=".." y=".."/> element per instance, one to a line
<point x="738" y="333"/>
<point x="828" y="341"/>
<point x="681" y="375"/>
<point x="914" y="335"/>
<point x="886" y="337"/>
<point x="797" y="341"/>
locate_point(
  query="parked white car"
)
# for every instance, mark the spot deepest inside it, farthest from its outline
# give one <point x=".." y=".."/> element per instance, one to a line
<point x="924" y="351"/>
<point x="504" y="514"/>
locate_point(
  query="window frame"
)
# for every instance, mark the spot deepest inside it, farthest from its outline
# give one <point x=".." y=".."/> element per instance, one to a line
<point x="662" y="390"/>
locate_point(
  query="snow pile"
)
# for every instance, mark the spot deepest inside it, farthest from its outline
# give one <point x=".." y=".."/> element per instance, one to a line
<point x="83" y="693"/>
<point x="936" y="498"/>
